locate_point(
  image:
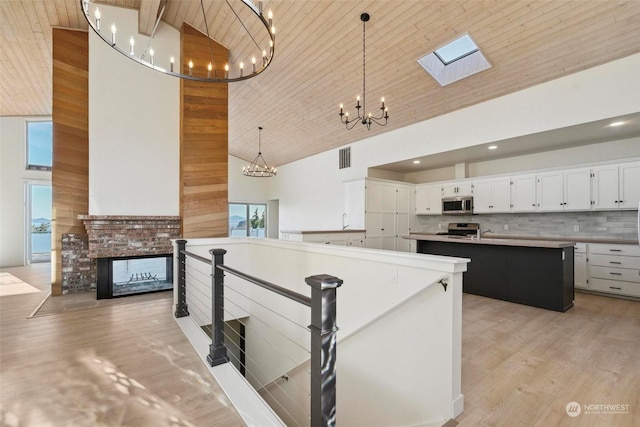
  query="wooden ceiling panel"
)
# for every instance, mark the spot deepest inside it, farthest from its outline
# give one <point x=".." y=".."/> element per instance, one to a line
<point x="318" y="60"/>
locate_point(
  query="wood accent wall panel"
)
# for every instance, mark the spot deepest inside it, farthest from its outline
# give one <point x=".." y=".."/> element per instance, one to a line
<point x="204" y="158"/>
<point x="70" y="115"/>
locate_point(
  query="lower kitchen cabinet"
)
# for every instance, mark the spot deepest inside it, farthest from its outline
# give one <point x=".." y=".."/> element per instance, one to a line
<point x="614" y="269"/>
<point x="535" y="276"/>
<point x="344" y="238"/>
<point x="581" y="270"/>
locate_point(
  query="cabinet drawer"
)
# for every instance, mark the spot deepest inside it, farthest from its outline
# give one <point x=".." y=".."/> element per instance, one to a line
<point x="613" y="287"/>
<point x="580" y="248"/>
<point x="628" y="250"/>
<point x="625" y="274"/>
<point x="614" y="261"/>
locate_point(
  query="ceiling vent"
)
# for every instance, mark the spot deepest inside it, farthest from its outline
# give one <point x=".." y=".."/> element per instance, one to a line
<point x="454" y="61"/>
<point x="344" y="160"/>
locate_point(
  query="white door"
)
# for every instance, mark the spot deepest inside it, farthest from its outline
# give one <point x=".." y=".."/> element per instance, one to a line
<point x="605" y="187"/>
<point x="550" y="186"/>
<point x="373" y="232"/>
<point x="402" y="199"/>
<point x="523" y="193"/>
<point x="429" y="199"/>
<point x="402" y="229"/>
<point x="577" y="190"/>
<point x="482" y="197"/>
<point x="629" y="190"/>
<point x="388" y="231"/>
<point x="500" y="195"/>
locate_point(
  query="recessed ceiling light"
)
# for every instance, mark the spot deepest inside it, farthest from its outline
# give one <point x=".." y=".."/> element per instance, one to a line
<point x="492" y="147"/>
<point x="415" y="162"/>
<point x="614" y="124"/>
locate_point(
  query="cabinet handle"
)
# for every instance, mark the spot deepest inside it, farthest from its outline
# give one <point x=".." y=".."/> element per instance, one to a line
<point x="615" y="262"/>
<point x="615" y="250"/>
<point x="613" y="287"/>
<point x="616" y="274"/>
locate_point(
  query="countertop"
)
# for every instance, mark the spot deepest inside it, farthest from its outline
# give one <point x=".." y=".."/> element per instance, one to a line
<point x="552" y="238"/>
<point x="348" y="230"/>
<point x="530" y="243"/>
<point x="541" y="238"/>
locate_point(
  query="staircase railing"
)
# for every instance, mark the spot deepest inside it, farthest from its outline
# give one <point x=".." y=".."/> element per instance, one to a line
<point x="322" y="327"/>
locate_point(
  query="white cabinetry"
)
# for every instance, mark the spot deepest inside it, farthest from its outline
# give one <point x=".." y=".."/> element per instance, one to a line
<point x="429" y="199"/>
<point x="614" y="269"/>
<point x="455" y="189"/>
<point x="523" y="193"/>
<point x="616" y="186"/>
<point x="580" y="270"/>
<point x="351" y="238"/>
<point x="492" y="195"/>
<point x="564" y="191"/>
<point x="387" y="215"/>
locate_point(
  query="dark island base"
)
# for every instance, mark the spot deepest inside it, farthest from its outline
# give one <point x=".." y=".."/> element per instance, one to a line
<point x="539" y="277"/>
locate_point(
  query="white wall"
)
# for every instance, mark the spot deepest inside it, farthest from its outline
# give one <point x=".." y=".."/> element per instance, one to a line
<point x="383" y="292"/>
<point x="585" y="154"/>
<point x="310" y="190"/>
<point x="134" y="124"/>
<point x="13" y="176"/>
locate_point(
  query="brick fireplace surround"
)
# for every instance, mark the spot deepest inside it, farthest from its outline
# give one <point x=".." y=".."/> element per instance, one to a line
<point x="112" y="236"/>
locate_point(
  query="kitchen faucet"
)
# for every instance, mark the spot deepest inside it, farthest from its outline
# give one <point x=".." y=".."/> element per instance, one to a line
<point x="344" y="217"/>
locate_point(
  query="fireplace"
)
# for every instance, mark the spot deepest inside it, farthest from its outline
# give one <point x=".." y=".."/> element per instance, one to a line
<point x="133" y="254"/>
<point x="132" y="275"/>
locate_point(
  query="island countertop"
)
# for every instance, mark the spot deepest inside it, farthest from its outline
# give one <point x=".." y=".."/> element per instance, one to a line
<point x="348" y="230"/>
<point x="530" y="243"/>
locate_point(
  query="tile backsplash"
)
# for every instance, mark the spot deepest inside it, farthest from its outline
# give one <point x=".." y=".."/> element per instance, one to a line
<point x="597" y="224"/>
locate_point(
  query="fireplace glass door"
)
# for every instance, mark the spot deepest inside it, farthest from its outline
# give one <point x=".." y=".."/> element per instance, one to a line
<point x="134" y="275"/>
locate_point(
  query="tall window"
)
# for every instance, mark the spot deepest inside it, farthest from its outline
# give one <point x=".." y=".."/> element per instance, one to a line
<point x="39" y="145"/>
<point x="247" y="219"/>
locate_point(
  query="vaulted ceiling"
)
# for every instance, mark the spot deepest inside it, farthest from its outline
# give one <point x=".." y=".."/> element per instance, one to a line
<point x="318" y="59"/>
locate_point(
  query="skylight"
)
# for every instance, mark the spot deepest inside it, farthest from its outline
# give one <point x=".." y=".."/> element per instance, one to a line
<point x="454" y="61"/>
<point x="457" y="49"/>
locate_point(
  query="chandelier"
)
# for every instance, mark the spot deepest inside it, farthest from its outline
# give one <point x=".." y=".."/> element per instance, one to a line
<point x="365" y="119"/>
<point x="164" y="62"/>
<point x="258" y="168"/>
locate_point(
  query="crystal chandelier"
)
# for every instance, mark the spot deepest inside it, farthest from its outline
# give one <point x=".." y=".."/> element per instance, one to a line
<point x="365" y="119"/>
<point x="200" y="72"/>
<point x="258" y="168"/>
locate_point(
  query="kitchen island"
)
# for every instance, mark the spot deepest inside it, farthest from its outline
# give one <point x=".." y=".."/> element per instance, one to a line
<point x="538" y="273"/>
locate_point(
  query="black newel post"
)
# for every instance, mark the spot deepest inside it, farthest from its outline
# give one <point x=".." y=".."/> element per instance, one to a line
<point x="217" y="351"/>
<point x="182" y="309"/>
<point x="323" y="349"/>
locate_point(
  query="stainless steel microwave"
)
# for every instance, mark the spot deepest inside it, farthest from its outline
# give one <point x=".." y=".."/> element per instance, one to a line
<point x="457" y="205"/>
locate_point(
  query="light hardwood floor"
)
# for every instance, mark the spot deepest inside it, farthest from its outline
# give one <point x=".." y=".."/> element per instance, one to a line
<point x="109" y="366"/>
<point x="521" y="365"/>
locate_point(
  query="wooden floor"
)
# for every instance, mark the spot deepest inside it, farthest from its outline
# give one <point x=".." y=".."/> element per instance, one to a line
<point x="121" y="365"/>
<point x="521" y="365"/>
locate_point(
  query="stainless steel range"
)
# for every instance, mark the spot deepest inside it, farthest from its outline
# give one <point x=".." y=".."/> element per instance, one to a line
<point x="461" y="229"/>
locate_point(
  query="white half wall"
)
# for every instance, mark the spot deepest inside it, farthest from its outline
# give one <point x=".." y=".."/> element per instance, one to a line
<point x="310" y="190"/>
<point x="134" y="124"/>
<point x="13" y="178"/>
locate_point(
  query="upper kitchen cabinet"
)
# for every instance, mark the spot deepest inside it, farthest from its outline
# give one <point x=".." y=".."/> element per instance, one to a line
<point x="492" y="195"/>
<point x="616" y="186"/>
<point x="429" y="199"/>
<point x="564" y="191"/>
<point x="523" y="193"/>
<point x="455" y="189"/>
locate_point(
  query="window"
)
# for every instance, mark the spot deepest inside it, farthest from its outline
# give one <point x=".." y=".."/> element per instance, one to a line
<point x="39" y="145"/>
<point x="247" y="219"/>
<point x="457" y="49"/>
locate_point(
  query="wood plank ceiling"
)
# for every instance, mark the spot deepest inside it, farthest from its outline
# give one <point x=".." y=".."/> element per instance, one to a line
<point x="318" y="59"/>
